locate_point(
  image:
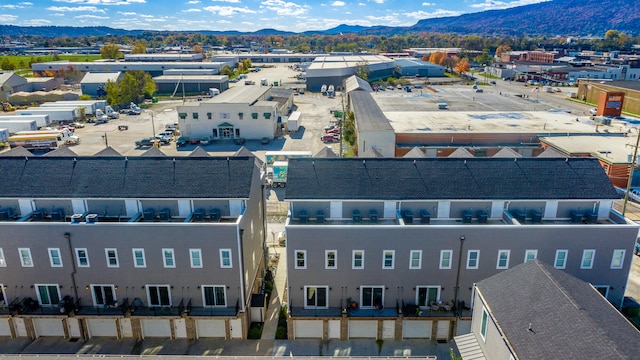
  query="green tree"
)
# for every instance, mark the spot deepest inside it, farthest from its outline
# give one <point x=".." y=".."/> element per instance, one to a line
<point x="246" y="64"/>
<point x="362" y="71"/>
<point x="132" y="87"/>
<point x="114" y="95"/>
<point x="7" y="64"/>
<point x="111" y="51"/>
<point x="484" y="58"/>
<point x="139" y="48"/>
<point x="226" y="70"/>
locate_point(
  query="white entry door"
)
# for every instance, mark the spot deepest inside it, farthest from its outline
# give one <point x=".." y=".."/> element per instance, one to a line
<point x="180" y="328"/>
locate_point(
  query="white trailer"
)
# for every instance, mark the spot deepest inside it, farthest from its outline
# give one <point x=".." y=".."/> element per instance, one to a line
<point x="56" y="114"/>
<point x="214" y="92"/>
<point x="89" y="109"/>
<point x="98" y="104"/>
<point x="293" y="122"/>
<point x="16" y="125"/>
<point x="41" y="120"/>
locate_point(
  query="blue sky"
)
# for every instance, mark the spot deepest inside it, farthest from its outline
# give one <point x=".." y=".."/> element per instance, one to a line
<point x="242" y="15"/>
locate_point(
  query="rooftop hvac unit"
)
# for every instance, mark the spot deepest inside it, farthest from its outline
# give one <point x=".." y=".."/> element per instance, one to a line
<point x="373" y="216"/>
<point x="536" y="217"/>
<point x="149" y="214"/>
<point x="214" y="214"/>
<point x="92" y="218"/>
<point x="76" y="218"/>
<point x="519" y="215"/>
<point x="164" y="214"/>
<point x="466" y="217"/>
<point x="592" y="217"/>
<point x="356" y="216"/>
<point x="57" y="215"/>
<point x="407" y="215"/>
<point x="425" y="217"/>
<point x="37" y="215"/>
<point x="304" y="217"/>
<point x="482" y="217"/>
<point x="320" y="217"/>
<point x="5" y="214"/>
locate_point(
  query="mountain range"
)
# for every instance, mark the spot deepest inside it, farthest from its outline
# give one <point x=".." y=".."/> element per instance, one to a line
<point x="551" y="18"/>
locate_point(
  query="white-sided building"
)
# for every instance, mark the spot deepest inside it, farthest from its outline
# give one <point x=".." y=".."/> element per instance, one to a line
<point x="249" y="112"/>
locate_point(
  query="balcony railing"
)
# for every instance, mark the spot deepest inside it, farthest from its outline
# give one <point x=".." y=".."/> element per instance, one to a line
<point x="107" y="310"/>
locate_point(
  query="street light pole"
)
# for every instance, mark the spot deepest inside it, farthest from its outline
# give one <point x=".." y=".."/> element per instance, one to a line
<point x="631" y="169"/>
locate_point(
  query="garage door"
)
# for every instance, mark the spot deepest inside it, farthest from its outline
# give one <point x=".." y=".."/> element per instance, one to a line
<point x="102" y="327"/>
<point x="443" y="330"/>
<point x="334" y="329"/>
<point x="156" y="328"/>
<point x="5" y="329"/>
<point x="363" y="329"/>
<point x="211" y="328"/>
<point x="308" y="329"/>
<point x="388" y="329"/>
<point x="48" y="327"/>
<point x="417" y="329"/>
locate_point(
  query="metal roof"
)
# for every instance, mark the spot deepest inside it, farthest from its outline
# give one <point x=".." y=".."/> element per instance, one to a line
<point x="368" y="114"/>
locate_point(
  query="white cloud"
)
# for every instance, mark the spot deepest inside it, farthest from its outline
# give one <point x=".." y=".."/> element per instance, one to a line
<point x="191" y="10"/>
<point x="191" y="2"/>
<point x="434" y="14"/>
<point x="285" y="8"/>
<point x="103" y="2"/>
<point x="228" y="10"/>
<point x="378" y="1"/>
<point x="338" y="3"/>
<point x="74" y="9"/>
<point x="36" y="22"/>
<point x="126" y="13"/>
<point x="427" y="4"/>
<point x="6" y="18"/>
<point x="493" y="5"/>
<point x="229" y="1"/>
<point x="362" y="4"/>
<point x="90" y="17"/>
<point x="21" y="5"/>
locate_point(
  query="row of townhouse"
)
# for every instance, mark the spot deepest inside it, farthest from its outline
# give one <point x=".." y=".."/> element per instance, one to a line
<point x="391" y="248"/>
<point x="130" y="247"/>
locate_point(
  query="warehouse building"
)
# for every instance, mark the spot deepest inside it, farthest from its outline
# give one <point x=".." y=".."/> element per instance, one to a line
<point x="333" y="70"/>
<point x="416" y="67"/>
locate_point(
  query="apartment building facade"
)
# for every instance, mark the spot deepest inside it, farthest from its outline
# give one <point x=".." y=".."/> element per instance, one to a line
<point x="130" y="247"/>
<point x="391" y="248"/>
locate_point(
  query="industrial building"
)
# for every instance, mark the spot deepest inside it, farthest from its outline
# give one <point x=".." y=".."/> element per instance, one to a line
<point x="93" y="83"/>
<point x="153" y="68"/>
<point x="419" y="68"/>
<point x="333" y="70"/>
<point x="189" y="84"/>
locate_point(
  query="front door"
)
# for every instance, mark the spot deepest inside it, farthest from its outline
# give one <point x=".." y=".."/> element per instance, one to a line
<point x="226" y="132"/>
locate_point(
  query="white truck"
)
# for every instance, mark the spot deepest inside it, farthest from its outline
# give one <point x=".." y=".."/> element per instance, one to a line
<point x="41" y="120"/>
<point x="19" y="125"/>
<point x="277" y="165"/>
<point x="264" y="82"/>
<point x="4" y="135"/>
<point x="293" y="121"/>
<point x="43" y="139"/>
<point x="89" y="108"/>
<point x="214" y="92"/>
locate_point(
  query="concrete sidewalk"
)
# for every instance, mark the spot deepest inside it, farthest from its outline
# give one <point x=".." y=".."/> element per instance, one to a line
<point x="277" y="295"/>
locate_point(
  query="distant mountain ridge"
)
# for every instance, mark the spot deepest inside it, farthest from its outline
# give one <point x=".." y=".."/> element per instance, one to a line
<point x="557" y="17"/>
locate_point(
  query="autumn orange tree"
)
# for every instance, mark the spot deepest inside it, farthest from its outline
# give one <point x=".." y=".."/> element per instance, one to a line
<point x="502" y="49"/>
<point x="462" y="66"/>
<point x="438" y="57"/>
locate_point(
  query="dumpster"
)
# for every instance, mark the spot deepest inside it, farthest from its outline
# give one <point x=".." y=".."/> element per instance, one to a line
<point x="154" y="100"/>
<point x="275" y="83"/>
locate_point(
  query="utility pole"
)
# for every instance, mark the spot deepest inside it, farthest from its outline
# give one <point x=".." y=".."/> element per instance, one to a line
<point x="632" y="167"/>
<point x="342" y="122"/>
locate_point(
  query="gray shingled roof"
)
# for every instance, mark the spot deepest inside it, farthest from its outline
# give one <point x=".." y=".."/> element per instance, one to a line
<point x="447" y="178"/>
<point x="569" y="318"/>
<point x="63" y="151"/>
<point x="108" y="151"/>
<point x="122" y="177"/>
<point x="17" y="151"/>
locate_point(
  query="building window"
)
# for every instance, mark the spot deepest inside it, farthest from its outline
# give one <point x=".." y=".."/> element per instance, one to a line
<point x="358" y="259"/>
<point x="82" y="257"/>
<point x="48" y="294"/>
<point x="445" y="259"/>
<point x="225" y="116"/>
<point x="159" y="295"/>
<point x="225" y="258"/>
<point x="112" y="258"/>
<point x="3" y="263"/>
<point x="301" y="259"/>
<point x="530" y="255"/>
<point x="195" y="115"/>
<point x="415" y="259"/>
<point x="54" y="257"/>
<point x="196" y="258"/>
<point x="560" y="261"/>
<point x="617" y="260"/>
<point x="103" y="295"/>
<point x="25" y="257"/>
<point x="426" y="294"/>
<point x="254" y="115"/>
<point x="330" y="259"/>
<point x="473" y="258"/>
<point x="503" y="259"/>
<point x="3" y="296"/>
<point x="209" y="116"/>
<point x="168" y="258"/>
<point x="240" y="116"/>
<point x="182" y="115"/>
<point x="214" y="295"/>
<point x="388" y="260"/>
<point x="139" y="260"/>
<point x="602" y="289"/>
<point x="316" y="297"/>
<point x="587" y="259"/>
<point x="483" y="324"/>
<point x="371" y="297"/>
